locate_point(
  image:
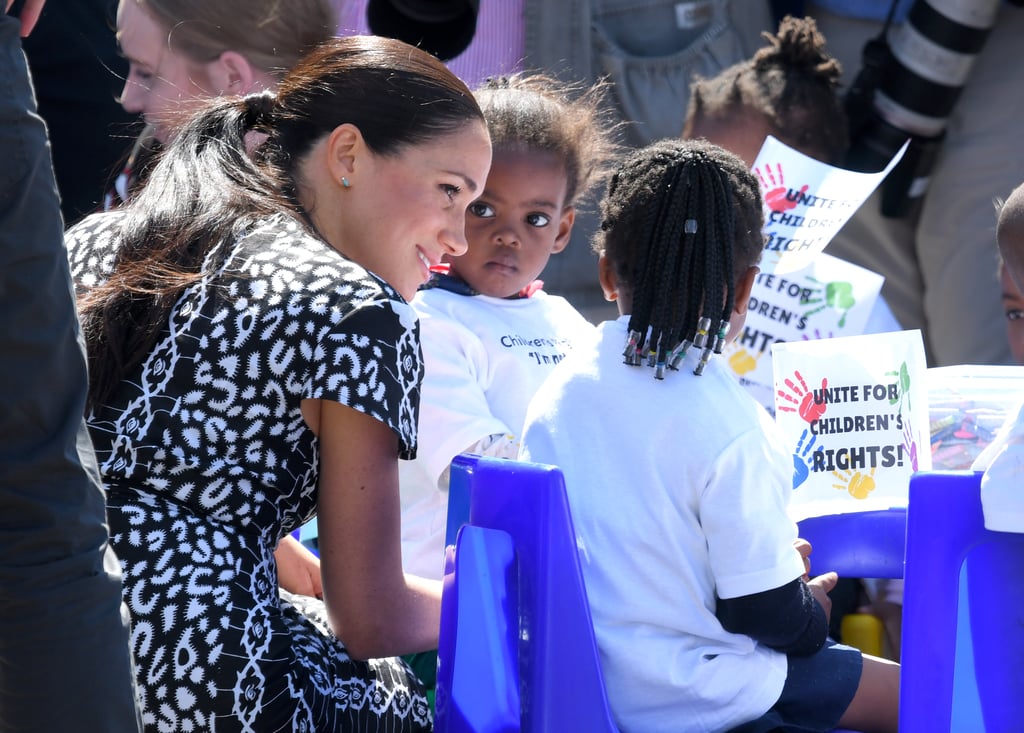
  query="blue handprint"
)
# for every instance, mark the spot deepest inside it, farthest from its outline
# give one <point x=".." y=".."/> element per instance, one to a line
<point x="802" y="457"/>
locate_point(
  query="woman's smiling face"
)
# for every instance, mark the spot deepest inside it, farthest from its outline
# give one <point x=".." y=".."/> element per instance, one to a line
<point x="408" y="210"/>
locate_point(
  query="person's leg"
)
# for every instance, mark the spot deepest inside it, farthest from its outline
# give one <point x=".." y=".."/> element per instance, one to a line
<point x="64" y="654"/>
<point x="875" y="706"/>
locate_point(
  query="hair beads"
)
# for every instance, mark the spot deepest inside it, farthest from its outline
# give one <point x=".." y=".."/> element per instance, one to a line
<point x="681" y="224"/>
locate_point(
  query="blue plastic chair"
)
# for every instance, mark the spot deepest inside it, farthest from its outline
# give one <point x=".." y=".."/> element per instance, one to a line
<point x="526" y="608"/>
<point x="946" y="537"/>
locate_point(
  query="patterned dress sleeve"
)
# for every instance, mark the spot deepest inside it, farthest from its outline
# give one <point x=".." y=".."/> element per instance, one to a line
<point x="371" y="361"/>
<point x="91" y="247"/>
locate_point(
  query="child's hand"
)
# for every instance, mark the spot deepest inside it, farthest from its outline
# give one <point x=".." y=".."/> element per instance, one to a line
<point x="804" y="548"/>
<point x="820" y="586"/>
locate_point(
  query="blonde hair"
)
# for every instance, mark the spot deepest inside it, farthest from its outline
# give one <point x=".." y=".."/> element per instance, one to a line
<point x="271" y="34"/>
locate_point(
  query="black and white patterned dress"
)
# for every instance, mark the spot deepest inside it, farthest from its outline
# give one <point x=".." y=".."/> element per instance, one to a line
<point x="208" y="463"/>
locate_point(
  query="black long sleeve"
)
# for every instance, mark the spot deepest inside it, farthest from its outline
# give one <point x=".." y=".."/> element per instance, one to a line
<point x="787" y="618"/>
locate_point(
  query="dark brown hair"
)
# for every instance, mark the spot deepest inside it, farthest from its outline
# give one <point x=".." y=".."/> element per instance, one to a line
<point x="791" y="82"/>
<point x="536" y="112"/>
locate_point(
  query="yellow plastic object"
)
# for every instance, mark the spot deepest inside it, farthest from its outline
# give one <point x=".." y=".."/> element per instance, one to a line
<point x="864" y="631"/>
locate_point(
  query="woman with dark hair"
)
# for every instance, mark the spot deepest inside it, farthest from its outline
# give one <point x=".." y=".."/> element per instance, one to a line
<point x="253" y="362"/>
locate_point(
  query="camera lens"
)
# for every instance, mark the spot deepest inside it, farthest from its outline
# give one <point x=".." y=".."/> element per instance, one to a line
<point x="930" y="59"/>
<point x="932" y="54"/>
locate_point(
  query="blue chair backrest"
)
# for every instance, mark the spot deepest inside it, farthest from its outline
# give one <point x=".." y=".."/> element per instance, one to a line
<point x="857" y="544"/>
<point x="946" y="535"/>
<point x="561" y="687"/>
<point x="478" y="656"/>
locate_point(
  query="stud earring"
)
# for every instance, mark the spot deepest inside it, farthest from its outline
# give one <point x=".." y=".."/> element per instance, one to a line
<point x="344" y="182"/>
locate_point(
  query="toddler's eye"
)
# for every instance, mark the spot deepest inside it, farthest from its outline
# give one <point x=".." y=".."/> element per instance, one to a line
<point x="480" y="209"/>
<point x="1014" y="315"/>
<point x="538" y="220"/>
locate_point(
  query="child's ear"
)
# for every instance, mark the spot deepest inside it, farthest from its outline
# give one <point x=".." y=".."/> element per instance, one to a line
<point x="743" y="287"/>
<point x="564" y="229"/>
<point x="606" y="277"/>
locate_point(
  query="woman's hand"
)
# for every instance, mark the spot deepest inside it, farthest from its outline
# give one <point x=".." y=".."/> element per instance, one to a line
<point x="298" y="569"/>
<point x="29" y="14"/>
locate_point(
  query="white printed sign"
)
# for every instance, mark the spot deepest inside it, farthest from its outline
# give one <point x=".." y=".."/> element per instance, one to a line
<point x="827" y="298"/>
<point x="806" y="202"/>
<point x="855" y="412"/>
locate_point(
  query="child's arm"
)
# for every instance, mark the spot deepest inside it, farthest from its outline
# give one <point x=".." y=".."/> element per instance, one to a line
<point x="792" y="619"/>
<point x="456" y="414"/>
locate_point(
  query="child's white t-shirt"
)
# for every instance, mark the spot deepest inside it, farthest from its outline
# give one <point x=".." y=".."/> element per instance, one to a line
<point x="1002" y="485"/>
<point x="483" y="359"/>
<point x="678" y="491"/>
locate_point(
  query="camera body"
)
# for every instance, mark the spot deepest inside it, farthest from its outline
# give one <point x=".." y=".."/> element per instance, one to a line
<point x="908" y="86"/>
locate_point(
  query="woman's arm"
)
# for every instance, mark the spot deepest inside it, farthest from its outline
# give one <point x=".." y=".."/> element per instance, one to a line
<point x="374" y="608"/>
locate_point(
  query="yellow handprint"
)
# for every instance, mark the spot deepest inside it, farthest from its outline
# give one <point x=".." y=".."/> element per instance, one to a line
<point x="742" y="361"/>
<point x="858" y="484"/>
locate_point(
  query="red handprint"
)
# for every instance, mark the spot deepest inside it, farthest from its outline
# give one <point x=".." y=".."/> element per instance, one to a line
<point x="776" y="192"/>
<point x="801" y="396"/>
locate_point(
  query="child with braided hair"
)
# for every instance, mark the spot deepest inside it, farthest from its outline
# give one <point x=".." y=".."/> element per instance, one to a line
<point x="704" y="613"/>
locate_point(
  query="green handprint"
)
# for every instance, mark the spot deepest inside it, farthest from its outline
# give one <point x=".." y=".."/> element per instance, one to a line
<point x="902" y="387"/>
<point x="838" y="295"/>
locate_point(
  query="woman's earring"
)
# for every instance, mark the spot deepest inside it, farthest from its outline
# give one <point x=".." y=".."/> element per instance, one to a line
<point x="344" y="182"/>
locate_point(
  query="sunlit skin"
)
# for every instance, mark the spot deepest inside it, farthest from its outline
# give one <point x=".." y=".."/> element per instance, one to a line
<point x="164" y="86"/>
<point x="1013" y="308"/>
<point x="30" y="12"/>
<point x="400" y="214"/>
<point x="516" y="224"/>
<point x="743" y="138"/>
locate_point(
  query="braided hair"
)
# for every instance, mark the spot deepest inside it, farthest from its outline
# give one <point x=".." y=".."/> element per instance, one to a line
<point x="681" y="224"/>
<point x="791" y="83"/>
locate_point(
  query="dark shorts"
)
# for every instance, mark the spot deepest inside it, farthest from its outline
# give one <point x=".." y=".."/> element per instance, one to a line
<point x="817" y="692"/>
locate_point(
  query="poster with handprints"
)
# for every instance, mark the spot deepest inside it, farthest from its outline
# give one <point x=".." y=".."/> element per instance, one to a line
<point x="854" y="412"/>
<point x="806" y="202"/>
<point x="829" y="297"/>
